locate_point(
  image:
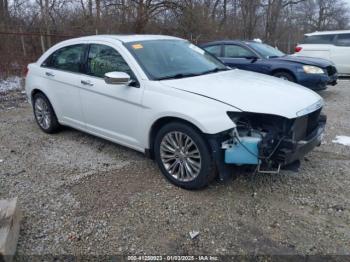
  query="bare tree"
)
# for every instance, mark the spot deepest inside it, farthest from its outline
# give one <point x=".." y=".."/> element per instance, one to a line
<point x="98" y="16"/>
<point x="27" y="28"/>
<point x="4" y="13"/>
<point x="329" y="15"/>
<point x="250" y="16"/>
<point x="273" y="11"/>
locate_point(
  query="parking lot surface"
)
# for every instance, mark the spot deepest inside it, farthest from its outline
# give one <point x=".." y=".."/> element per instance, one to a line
<point x="84" y="195"/>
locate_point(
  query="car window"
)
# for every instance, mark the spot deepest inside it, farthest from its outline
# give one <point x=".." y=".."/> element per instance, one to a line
<point x="318" y="39"/>
<point x="103" y="59"/>
<point x="166" y="59"/>
<point x="68" y="58"/>
<point x="214" y="50"/>
<point x="343" y="40"/>
<point x="235" y="51"/>
<point x="265" y="50"/>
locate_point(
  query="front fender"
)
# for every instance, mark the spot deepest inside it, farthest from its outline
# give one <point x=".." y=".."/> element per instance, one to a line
<point x="208" y="115"/>
<point x="208" y="122"/>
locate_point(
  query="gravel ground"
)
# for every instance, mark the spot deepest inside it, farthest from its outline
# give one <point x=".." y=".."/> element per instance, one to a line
<point x="84" y="195"/>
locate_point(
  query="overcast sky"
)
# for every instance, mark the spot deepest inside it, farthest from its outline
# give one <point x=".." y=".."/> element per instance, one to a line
<point x="348" y="1"/>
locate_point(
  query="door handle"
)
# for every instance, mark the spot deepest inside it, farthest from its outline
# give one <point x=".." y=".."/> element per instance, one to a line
<point x="49" y="74"/>
<point x="86" y="83"/>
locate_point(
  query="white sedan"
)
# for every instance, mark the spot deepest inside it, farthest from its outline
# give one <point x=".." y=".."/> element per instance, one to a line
<point x="171" y="100"/>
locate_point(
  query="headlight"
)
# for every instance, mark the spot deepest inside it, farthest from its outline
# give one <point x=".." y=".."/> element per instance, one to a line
<point x="312" y="70"/>
<point x="311" y="108"/>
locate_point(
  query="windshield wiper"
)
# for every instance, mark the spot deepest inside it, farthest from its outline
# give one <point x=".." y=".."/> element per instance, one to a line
<point x="216" y="69"/>
<point x="182" y="75"/>
<point x="176" y="76"/>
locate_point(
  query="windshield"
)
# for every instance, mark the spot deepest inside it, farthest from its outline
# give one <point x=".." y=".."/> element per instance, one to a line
<point x="266" y="50"/>
<point x="169" y="59"/>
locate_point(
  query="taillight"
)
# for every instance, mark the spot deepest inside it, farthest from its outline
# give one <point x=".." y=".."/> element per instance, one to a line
<point x="26" y="70"/>
<point x="298" y="49"/>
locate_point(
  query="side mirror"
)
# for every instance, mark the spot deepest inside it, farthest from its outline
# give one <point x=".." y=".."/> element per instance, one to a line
<point x="253" y="58"/>
<point x="117" y="78"/>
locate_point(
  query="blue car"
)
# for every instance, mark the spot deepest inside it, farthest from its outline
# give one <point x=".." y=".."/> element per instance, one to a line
<point x="314" y="73"/>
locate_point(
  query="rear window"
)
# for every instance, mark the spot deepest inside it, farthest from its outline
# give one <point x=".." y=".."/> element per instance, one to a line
<point x="68" y="58"/>
<point x="343" y="40"/>
<point x="318" y="39"/>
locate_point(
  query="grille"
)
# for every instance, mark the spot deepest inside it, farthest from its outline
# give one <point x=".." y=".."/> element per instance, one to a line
<point x="331" y="70"/>
<point x="312" y="121"/>
<point x="305" y="125"/>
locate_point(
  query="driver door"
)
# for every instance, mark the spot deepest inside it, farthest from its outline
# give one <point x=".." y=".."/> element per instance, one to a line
<point x="240" y="57"/>
<point x="110" y="111"/>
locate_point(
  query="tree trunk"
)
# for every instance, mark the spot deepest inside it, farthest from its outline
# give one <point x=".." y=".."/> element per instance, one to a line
<point x="47" y="24"/>
<point x="90" y="8"/>
<point x="23" y="43"/>
<point x="1" y="10"/>
<point x="140" y="21"/>
<point x="273" y="13"/>
<point x="4" y="13"/>
<point x="224" y="18"/>
<point x="42" y="42"/>
<point x="98" y="16"/>
<point x="123" y="14"/>
<point x="42" y="14"/>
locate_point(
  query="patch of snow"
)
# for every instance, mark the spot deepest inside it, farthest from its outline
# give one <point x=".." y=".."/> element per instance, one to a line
<point x="1" y="160"/>
<point x="11" y="83"/>
<point x="343" y="140"/>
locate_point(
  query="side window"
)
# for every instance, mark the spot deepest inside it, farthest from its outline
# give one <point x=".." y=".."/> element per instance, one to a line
<point x="235" y="51"/>
<point x="214" y="50"/>
<point x="343" y="40"/>
<point x="68" y="58"/>
<point x="103" y="59"/>
<point x="319" y="39"/>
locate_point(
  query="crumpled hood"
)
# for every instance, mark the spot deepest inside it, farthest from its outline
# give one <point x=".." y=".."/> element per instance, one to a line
<point x="251" y="92"/>
<point x="323" y="63"/>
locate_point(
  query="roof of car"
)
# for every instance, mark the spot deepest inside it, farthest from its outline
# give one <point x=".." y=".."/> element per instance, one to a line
<point x="329" y="32"/>
<point x="229" y="42"/>
<point x="128" y="38"/>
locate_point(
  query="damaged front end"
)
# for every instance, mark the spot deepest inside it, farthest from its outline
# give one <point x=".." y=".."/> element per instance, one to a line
<point x="268" y="141"/>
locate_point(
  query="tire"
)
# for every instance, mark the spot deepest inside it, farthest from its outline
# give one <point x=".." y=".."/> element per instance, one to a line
<point x="285" y="75"/>
<point x="187" y="164"/>
<point x="44" y="114"/>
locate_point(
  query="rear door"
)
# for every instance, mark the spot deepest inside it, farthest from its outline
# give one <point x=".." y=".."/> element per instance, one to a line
<point x="61" y="74"/>
<point x="110" y="111"/>
<point x="341" y="53"/>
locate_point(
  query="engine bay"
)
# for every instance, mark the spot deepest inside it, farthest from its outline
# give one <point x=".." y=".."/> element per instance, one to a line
<point x="269" y="141"/>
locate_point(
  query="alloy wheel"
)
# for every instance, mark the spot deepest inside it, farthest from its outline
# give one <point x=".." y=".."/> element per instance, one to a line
<point x="180" y="156"/>
<point x="42" y="113"/>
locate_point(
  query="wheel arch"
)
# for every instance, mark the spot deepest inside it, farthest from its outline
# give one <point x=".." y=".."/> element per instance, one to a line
<point x="158" y="124"/>
<point x="36" y="91"/>
<point x="284" y="70"/>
